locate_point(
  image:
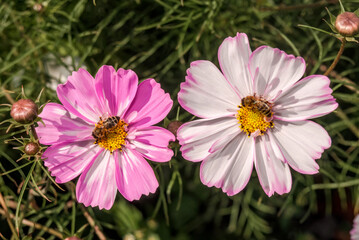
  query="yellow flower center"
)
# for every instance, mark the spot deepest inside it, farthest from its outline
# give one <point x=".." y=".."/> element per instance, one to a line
<point x="110" y="133"/>
<point x="254" y="116"/>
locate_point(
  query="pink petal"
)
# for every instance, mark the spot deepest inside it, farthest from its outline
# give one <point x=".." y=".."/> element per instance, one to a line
<point x="274" y="174"/>
<point x="206" y="93"/>
<point x="152" y="142"/>
<point x="97" y="184"/>
<point x="274" y="71"/>
<point x="230" y="168"/>
<point x="233" y="56"/>
<point x="66" y="161"/>
<point x="300" y="143"/>
<point x="310" y="97"/>
<point x="61" y="126"/>
<point x="116" y="88"/>
<point x="150" y="105"/>
<point x="197" y="137"/>
<point x="78" y="95"/>
<point x="134" y="176"/>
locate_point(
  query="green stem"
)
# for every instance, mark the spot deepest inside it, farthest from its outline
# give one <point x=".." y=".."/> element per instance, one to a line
<point x="34" y="134"/>
<point x="320" y="186"/>
<point x="21" y="196"/>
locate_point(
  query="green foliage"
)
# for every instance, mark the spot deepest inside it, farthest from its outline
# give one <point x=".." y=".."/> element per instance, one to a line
<point x="159" y="39"/>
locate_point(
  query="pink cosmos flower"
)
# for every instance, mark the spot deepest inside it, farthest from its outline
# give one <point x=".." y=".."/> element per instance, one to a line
<point x="103" y="131"/>
<point x="254" y="112"/>
<point x="354" y="233"/>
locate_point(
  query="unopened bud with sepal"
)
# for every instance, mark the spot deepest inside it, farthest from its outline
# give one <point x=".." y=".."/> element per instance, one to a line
<point x="31" y="148"/>
<point x="24" y="111"/>
<point x="347" y="24"/>
<point x="173" y="126"/>
<point x="72" y="238"/>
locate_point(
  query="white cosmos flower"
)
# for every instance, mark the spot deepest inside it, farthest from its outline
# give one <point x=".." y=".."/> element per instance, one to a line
<point x="254" y="112"/>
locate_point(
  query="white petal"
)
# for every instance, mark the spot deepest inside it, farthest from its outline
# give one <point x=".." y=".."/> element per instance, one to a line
<point x="301" y="143"/>
<point x="274" y="71"/>
<point x="197" y="137"/>
<point x="231" y="168"/>
<point x="310" y="97"/>
<point x="233" y="56"/>
<point x="222" y="142"/>
<point x="274" y="174"/>
<point x="206" y="93"/>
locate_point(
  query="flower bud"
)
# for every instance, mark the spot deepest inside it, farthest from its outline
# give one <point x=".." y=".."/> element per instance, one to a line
<point x="24" y="111"/>
<point x="31" y="148"/>
<point x="173" y="127"/>
<point x="73" y="238"/>
<point x="347" y="24"/>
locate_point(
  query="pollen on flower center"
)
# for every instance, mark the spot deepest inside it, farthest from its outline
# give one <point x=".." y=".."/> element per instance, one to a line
<point x="255" y="115"/>
<point x="110" y="133"/>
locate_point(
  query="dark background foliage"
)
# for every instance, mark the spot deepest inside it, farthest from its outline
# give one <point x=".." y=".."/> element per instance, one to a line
<point x="43" y="41"/>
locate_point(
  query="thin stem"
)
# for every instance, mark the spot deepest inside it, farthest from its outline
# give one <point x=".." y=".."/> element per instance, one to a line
<point x="2" y="237"/>
<point x="7" y="215"/>
<point x="34" y="132"/>
<point x="347" y="82"/>
<point x="336" y="60"/>
<point x="92" y="223"/>
<point x="320" y="186"/>
<point x="73" y="217"/>
<point x="36" y="225"/>
<point x="347" y="121"/>
<point x="7" y="95"/>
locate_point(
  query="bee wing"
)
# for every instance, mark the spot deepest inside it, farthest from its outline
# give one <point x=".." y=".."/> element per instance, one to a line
<point x="105" y="116"/>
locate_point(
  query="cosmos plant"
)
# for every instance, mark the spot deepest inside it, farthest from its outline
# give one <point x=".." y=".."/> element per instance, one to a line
<point x="103" y="132"/>
<point x="251" y="140"/>
<point x="254" y="113"/>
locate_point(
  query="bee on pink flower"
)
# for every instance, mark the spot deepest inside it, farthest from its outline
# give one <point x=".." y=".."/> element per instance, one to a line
<point x="103" y="133"/>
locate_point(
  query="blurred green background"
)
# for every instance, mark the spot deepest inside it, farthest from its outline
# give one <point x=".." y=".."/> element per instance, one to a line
<point x="42" y="42"/>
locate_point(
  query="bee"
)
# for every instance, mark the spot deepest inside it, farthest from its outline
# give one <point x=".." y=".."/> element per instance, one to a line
<point x="104" y="125"/>
<point x="249" y="101"/>
<point x="110" y="122"/>
<point x="264" y="107"/>
<point x="98" y="132"/>
<point x="259" y="104"/>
